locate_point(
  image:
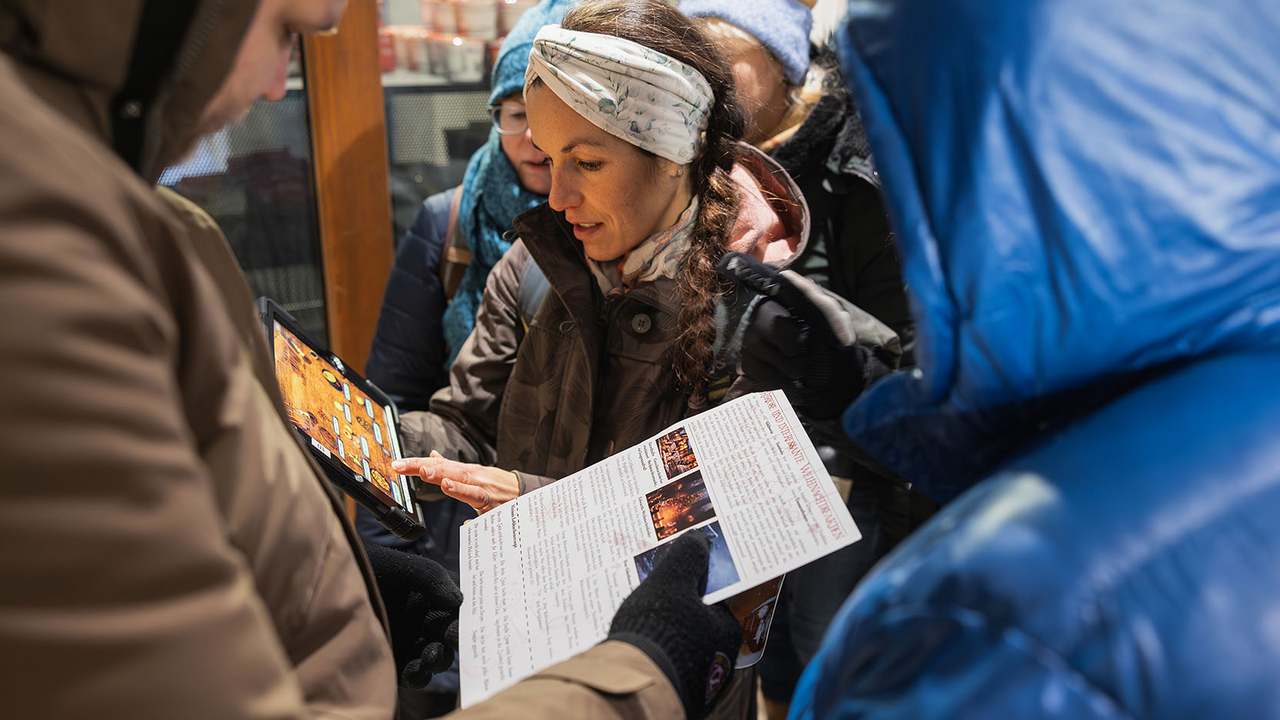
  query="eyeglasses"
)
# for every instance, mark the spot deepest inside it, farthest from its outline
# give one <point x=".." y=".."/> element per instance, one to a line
<point x="509" y="119"/>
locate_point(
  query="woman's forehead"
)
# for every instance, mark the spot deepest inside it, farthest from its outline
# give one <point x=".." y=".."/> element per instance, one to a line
<point x="558" y="129"/>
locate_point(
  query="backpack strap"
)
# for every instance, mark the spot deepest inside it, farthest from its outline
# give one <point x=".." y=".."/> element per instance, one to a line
<point x="457" y="253"/>
<point x="532" y="291"/>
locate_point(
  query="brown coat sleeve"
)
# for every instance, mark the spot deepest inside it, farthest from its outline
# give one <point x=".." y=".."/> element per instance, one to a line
<point x="463" y="421"/>
<point x="120" y="595"/>
<point x="611" y="680"/>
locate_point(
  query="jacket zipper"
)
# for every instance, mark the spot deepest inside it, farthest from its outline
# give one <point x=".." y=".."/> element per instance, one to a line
<point x="607" y="314"/>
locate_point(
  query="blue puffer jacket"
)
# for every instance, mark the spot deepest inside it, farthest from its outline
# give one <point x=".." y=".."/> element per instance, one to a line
<point x="1087" y="196"/>
<point x="408" y="353"/>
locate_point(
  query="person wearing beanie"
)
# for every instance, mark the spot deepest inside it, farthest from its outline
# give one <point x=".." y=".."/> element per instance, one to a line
<point x="768" y="43"/>
<point x="418" y="329"/>
<point x="800" y="113"/>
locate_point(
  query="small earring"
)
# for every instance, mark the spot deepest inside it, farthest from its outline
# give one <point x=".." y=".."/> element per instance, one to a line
<point x="680" y="172"/>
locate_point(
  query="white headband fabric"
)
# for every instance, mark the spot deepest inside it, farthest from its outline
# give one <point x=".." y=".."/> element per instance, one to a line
<point x="640" y="95"/>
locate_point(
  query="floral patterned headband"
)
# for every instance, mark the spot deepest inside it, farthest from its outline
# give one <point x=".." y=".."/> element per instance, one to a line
<point x="649" y="99"/>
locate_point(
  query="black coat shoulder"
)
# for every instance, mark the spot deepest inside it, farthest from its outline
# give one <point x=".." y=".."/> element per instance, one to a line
<point x="850" y="249"/>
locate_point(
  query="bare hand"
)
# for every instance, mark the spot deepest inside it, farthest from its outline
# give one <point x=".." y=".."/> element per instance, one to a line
<point x="480" y="486"/>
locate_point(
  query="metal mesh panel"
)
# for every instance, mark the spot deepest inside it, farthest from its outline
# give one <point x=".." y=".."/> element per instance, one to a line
<point x="432" y="133"/>
<point x="254" y="178"/>
<point x="435" y="127"/>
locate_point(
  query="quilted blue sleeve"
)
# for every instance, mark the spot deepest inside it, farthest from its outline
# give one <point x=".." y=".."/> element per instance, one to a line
<point x="408" y="353"/>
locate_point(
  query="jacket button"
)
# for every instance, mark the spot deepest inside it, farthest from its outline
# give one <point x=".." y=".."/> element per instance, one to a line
<point x="641" y="323"/>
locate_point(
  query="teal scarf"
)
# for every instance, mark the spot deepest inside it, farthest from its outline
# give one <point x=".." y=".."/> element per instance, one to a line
<point x="492" y="197"/>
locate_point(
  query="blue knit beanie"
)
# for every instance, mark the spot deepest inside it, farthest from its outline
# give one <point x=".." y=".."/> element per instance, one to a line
<point x="781" y="25"/>
<point x="513" y="56"/>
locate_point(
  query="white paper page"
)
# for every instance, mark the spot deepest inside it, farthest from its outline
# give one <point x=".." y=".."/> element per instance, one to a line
<point x="544" y="574"/>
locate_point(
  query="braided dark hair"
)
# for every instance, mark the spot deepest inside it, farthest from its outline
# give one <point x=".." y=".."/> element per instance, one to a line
<point x="659" y="26"/>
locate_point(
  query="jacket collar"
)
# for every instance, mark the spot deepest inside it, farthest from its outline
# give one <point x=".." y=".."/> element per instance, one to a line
<point x="832" y="135"/>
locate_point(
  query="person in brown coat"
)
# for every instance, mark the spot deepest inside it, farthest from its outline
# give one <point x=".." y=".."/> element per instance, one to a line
<point x="170" y="548"/>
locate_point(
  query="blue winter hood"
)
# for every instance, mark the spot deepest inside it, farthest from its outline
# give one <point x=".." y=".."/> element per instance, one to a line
<point x="1083" y="197"/>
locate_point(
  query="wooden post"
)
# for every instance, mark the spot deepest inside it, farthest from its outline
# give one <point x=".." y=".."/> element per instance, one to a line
<point x="352" y="178"/>
<point x="353" y="196"/>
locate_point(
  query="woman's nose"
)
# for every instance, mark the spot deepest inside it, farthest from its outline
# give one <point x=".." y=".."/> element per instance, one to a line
<point x="563" y="194"/>
<point x="526" y="141"/>
<point x="528" y="149"/>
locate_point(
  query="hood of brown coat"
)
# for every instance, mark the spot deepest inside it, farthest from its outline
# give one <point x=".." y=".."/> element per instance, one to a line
<point x="135" y="73"/>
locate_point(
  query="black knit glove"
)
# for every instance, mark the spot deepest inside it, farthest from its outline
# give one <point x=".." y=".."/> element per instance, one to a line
<point x="805" y="341"/>
<point x="422" y="600"/>
<point x="694" y="644"/>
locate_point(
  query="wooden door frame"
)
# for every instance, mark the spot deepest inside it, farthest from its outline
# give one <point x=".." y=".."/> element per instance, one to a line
<point x="343" y="82"/>
<point x="352" y="176"/>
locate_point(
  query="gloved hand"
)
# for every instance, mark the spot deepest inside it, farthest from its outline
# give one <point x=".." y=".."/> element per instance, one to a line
<point x="422" y="600"/>
<point x="820" y="350"/>
<point x="694" y="644"/>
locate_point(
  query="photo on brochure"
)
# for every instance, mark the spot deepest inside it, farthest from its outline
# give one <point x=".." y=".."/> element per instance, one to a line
<point x="720" y="574"/>
<point x="677" y="455"/>
<point x="680" y="504"/>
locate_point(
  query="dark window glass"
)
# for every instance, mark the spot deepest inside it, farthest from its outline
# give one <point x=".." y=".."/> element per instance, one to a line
<point x="254" y="178"/>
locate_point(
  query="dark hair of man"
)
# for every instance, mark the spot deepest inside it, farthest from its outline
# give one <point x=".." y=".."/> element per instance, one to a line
<point x="659" y="26"/>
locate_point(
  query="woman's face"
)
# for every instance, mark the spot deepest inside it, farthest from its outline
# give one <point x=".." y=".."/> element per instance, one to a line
<point x="530" y="164"/>
<point x="614" y="195"/>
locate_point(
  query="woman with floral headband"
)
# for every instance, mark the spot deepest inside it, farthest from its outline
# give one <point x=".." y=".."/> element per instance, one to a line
<point x="633" y="329"/>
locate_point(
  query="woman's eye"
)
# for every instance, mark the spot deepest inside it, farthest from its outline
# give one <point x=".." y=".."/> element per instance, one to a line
<point x="589" y="166"/>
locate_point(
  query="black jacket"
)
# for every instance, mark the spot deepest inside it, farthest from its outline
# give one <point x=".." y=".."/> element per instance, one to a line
<point x="850" y="248"/>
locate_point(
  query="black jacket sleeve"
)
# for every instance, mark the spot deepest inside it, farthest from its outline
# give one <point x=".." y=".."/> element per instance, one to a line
<point x="408" y="354"/>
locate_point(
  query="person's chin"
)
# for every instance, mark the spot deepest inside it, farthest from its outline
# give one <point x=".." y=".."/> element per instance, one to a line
<point x="600" y="253"/>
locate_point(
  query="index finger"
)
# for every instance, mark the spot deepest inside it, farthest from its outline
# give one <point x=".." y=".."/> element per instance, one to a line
<point x="423" y="467"/>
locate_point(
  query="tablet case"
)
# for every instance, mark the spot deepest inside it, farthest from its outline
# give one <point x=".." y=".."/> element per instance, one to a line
<point x="350" y="428"/>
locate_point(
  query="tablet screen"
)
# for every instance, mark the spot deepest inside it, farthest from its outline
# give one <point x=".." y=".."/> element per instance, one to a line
<point x="338" y="417"/>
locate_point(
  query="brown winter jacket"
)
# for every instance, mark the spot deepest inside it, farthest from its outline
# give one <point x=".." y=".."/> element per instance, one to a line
<point x="169" y="548"/>
<point x="588" y="376"/>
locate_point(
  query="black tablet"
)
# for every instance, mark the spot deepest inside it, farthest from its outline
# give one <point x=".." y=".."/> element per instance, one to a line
<point x="350" y="426"/>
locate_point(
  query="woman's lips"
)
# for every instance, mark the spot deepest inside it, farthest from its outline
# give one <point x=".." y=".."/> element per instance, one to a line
<point x="586" y="231"/>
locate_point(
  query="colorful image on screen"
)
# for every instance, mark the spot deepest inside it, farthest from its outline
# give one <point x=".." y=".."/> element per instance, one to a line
<point x="319" y="401"/>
